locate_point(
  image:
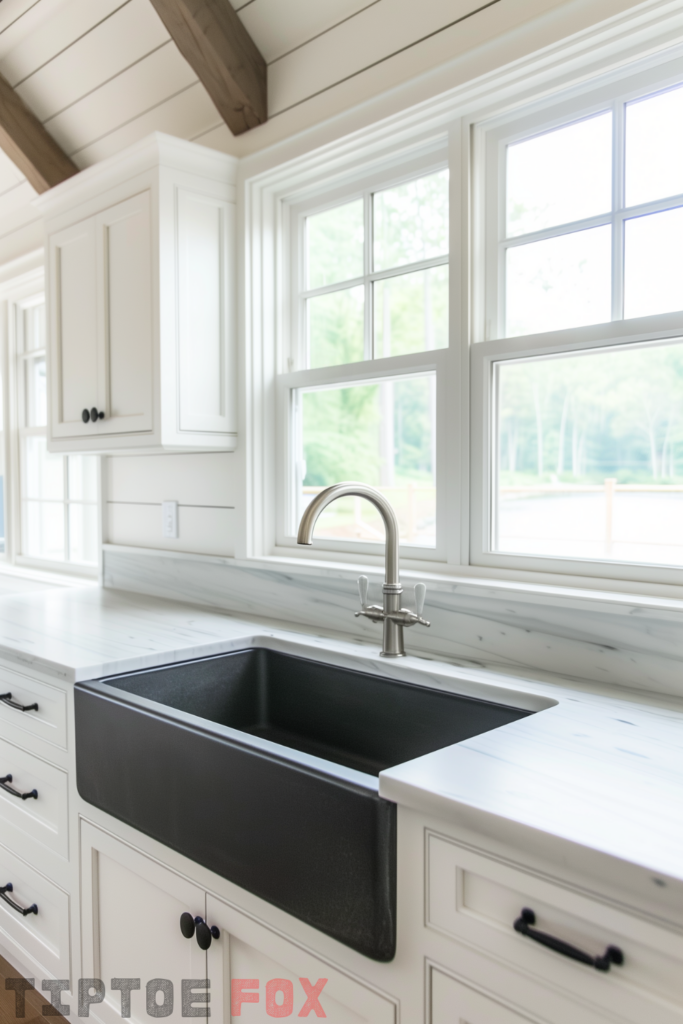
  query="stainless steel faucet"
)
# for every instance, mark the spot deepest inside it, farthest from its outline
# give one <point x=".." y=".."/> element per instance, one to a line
<point x="391" y="614"/>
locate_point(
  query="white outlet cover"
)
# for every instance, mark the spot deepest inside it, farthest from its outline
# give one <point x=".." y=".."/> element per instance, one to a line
<point x="169" y="520"/>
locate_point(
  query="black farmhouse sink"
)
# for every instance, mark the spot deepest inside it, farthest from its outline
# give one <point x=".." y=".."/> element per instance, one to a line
<point x="263" y="766"/>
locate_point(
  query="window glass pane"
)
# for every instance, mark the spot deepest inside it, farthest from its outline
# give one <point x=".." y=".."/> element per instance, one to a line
<point x="411" y="222"/>
<point x="335" y="327"/>
<point x="82" y="477"/>
<point x="83" y="533"/>
<point x="34" y="327"/>
<point x="561" y="176"/>
<point x="654" y="147"/>
<point x="411" y="312"/>
<point x="381" y="434"/>
<point x="590" y="456"/>
<point x="43" y="472"/>
<point x="653" y="263"/>
<point x="334" y="245"/>
<point x="36" y="392"/>
<point x="44" y="529"/>
<point x="559" y="282"/>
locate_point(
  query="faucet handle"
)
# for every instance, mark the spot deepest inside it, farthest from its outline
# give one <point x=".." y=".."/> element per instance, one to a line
<point x="420" y="594"/>
<point x="363" y="590"/>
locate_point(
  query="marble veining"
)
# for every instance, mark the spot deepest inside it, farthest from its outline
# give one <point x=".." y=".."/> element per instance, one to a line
<point x="610" y="640"/>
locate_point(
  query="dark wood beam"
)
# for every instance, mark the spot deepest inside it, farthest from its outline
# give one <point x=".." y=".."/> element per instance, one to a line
<point x="29" y="145"/>
<point x="215" y="43"/>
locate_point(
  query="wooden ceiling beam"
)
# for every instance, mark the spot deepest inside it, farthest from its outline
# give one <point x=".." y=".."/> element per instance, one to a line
<point x="29" y="145"/>
<point x="215" y="43"/>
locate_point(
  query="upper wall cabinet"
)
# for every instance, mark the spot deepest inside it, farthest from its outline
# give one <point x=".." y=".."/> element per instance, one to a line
<point x="141" y="309"/>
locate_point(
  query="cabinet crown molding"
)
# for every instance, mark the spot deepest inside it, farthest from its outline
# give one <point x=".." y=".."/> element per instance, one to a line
<point x="154" y="151"/>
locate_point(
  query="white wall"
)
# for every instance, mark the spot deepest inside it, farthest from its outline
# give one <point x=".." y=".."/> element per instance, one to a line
<point x="204" y="485"/>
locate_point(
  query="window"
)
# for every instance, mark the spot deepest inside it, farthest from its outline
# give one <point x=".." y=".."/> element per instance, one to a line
<point x="369" y="326"/>
<point x="578" y="445"/>
<point x="57" y="495"/>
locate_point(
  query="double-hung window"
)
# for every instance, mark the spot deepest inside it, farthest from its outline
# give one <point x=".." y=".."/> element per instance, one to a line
<point x="368" y="335"/>
<point x="577" y="351"/>
<point x="56" y="496"/>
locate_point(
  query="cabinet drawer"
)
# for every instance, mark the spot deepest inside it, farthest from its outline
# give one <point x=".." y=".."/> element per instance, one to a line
<point x="454" y="1003"/>
<point x="43" y="819"/>
<point x="476" y="899"/>
<point x="47" y="722"/>
<point x="41" y="940"/>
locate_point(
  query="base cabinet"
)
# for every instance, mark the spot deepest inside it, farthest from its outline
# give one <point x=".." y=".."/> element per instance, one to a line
<point x="131" y="907"/>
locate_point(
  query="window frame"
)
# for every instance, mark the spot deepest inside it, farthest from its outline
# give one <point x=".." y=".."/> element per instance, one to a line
<point x="488" y="342"/>
<point x="19" y="294"/>
<point x="404" y="167"/>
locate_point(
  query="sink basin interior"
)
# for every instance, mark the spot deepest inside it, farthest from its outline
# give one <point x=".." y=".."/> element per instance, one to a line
<point x="352" y="718"/>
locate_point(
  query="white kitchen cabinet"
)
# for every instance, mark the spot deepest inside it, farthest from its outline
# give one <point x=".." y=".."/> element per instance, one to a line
<point x="141" y="309"/>
<point x="289" y="980"/>
<point x="131" y="908"/>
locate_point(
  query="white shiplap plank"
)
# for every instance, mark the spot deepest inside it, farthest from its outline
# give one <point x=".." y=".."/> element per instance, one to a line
<point x="57" y="25"/>
<point x="22" y="240"/>
<point x="202" y="531"/>
<point x="114" y="45"/>
<point x="12" y="11"/>
<point x="13" y="200"/>
<point x="278" y="27"/>
<point x="373" y="35"/>
<point x="123" y="99"/>
<point x="192" y="479"/>
<point x="184" y="116"/>
<point x="9" y="173"/>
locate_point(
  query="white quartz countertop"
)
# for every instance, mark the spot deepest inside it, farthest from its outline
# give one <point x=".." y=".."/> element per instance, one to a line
<point x="602" y="771"/>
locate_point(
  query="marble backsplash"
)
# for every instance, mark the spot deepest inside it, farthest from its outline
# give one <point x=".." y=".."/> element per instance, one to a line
<point x="611" y="639"/>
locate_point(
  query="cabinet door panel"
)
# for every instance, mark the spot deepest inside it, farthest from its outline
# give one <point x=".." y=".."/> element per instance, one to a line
<point x="73" y="328"/>
<point x="131" y="908"/>
<point x="205" y="228"/>
<point x="125" y="276"/>
<point x="247" y="951"/>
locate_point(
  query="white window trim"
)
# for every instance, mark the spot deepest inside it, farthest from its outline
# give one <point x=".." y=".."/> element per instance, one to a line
<point x="268" y="197"/>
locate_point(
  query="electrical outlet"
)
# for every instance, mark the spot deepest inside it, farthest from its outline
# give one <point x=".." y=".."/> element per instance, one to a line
<point x="169" y="519"/>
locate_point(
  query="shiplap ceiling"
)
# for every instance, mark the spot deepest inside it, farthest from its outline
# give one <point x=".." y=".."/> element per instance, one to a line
<point x="102" y="74"/>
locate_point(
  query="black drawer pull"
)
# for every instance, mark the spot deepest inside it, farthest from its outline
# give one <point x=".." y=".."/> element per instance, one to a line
<point x="6" y="698"/>
<point x="4" y="889"/>
<point x="612" y="955"/>
<point x="15" y="792"/>
<point x="189" y="925"/>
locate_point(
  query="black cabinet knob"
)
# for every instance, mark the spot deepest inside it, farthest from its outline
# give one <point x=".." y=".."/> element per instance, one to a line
<point x="190" y="925"/>
<point x="205" y="934"/>
<point x="187" y="925"/>
<point x="85" y="416"/>
<point x="95" y="415"/>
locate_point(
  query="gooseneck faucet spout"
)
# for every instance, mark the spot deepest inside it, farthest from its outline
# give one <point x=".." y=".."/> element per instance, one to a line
<point x="391" y="614"/>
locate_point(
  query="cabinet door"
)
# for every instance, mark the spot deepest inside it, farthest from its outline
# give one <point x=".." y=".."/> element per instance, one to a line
<point x="73" y="328"/>
<point x="131" y="908"/>
<point x="259" y="975"/>
<point x="124" y="275"/>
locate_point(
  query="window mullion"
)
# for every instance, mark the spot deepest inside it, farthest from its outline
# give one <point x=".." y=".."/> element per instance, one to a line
<point x="618" y="175"/>
<point x="367" y="269"/>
